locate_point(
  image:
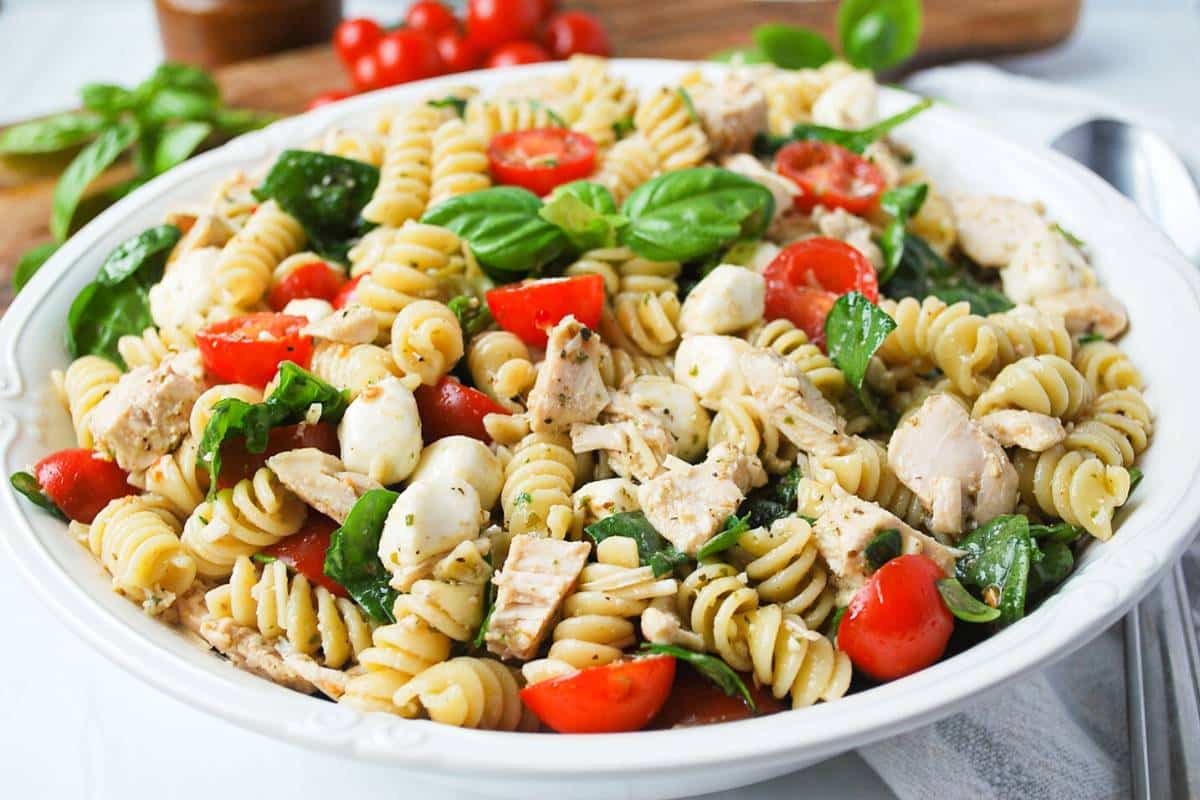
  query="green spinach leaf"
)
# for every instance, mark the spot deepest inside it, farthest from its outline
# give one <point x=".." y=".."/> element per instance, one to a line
<point x="353" y="555"/>
<point x="1052" y="562"/>
<point x="1061" y="532"/>
<point x="710" y="667"/>
<point x="963" y="604"/>
<point x="30" y="262"/>
<point x="28" y="485"/>
<point x="854" y="329"/>
<point x="171" y="103"/>
<point x="725" y="538"/>
<point x="142" y="256"/>
<point x="790" y="47"/>
<point x="922" y="272"/>
<point x="85" y="168"/>
<point x="473" y="316"/>
<point x="878" y="34"/>
<point x="901" y="203"/>
<point x="882" y="548"/>
<point x="774" y="501"/>
<point x="997" y="562"/>
<point x="690" y="213"/>
<point x="653" y="550"/>
<point x="855" y="141"/>
<point x="101" y="315"/>
<point x="50" y="134"/>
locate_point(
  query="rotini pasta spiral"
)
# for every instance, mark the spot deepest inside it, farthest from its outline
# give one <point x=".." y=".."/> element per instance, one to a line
<point x="254" y="514"/>
<point x="136" y="538"/>
<point x="151" y="347"/>
<point x="404" y="179"/>
<point x="465" y="692"/>
<point x="1023" y="332"/>
<point x="175" y="478"/>
<point x="791" y="93"/>
<point x="202" y="409"/>
<point x="864" y="471"/>
<point x="1077" y="488"/>
<point x="794" y="660"/>
<point x="630" y="163"/>
<point x="84" y="384"/>
<point x="309" y="617"/>
<point x="501" y="367"/>
<point x="667" y="123"/>
<point x="714" y="600"/>
<point x="604" y="262"/>
<point x="650" y="320"/>
<point x="619" y="365"/>
<point x="1106" y="367"/>
<point x="427" y="340"/>
<point x="959" y="343"/>
<point x="603" y="99"/>
<point x="353" y="367"/>
<point x="1116" y="429"/>
<point x="489" y="116"/>
<point x="538" y="481"/>
<point x="792" y="343"/>
<point x="362" y="145"/>
<point x="398" y="652"/>
<point x="451" y="602"/>
<point x="460" y="163"/>
<point x="1041" y="384"/>
<point x="742" y="422"/>
<point x="243" y="271"/>
<point x="402" y="269"/>
<point x="785" y="567"/>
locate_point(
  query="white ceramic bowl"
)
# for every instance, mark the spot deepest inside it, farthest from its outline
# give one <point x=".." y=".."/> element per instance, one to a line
<point x="1137" y="262"/>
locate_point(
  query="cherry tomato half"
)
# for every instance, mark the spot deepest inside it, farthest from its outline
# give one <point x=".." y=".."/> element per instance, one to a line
<point x="616" y="698"/>
<point x="491" y="23"/>
<point x="355" y="37"/>
<point x="448" y="408"/>
<point x="237" y="463"/>
<point x="530" y="309"/>
<point x="407" y="55"/>
<point x="304" y="551"/>
<point x="514" y="53"/>
<point x="574" y="32"/>
<point x="458" y="52"/>
<point x="430" y="16"/>
<point x="541" y="159"/>
<point x="314" y="279"/>
<point x="249" y="349"/>
<point x="695" y="700"/>
<point x="808" y="276"/>
<point x="345" y="295"/>
<point x="80" y="482"/>
<point x="326" y="98"/>
<point x="897" y="623"/>
<point x="831" y="176"/>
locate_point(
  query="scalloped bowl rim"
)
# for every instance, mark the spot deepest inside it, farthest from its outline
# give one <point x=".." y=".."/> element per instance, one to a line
<point x="1110" y="578"/>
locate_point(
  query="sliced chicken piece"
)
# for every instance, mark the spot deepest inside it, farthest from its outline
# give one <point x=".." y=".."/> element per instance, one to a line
<point x="783" y="190"/>
<point x="321" y="480"/>
<point x="1045" y="264"/>
<point x="849" y="102"/>
<point x="569" y="387"/>
<point x="1025" y="429"/>
<point x="330" y="682"/>
<point x="991" y="228"/>
<point x="635" y="447"/>
<point x="1089" y="310"/>
<point x="731" y="112"/>
<point x="957" y="471"/>
<point x="538" y="575"/>
<point x="207" y="230"/>
<point x="727" y="300"/>
<point x="353" y="324"/>
<point x="848" y="524"/>
<point x="793" y="404"/>
<point x="688" y="504"/>
<point x="146" y="415"/>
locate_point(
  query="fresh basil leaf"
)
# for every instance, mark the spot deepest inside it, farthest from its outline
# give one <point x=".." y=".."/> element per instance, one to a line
<point x="325" y="193"/>
<point x="176" y="144"/>
<point x="595" y="196"/>
<point x="1135" y="477"/>
<point x="353" y="555"/>
<point x="997" y="562"/>
<point x="1049" y="567"/>
<point x="1088" y="338"/>
<point x="101" y="315"/>
<point x="170" y="104"/>
<point x="142" y="256"/>
<point x="236" y="121"/>
<point x="774" y="501"/>
<point x="28" y="485"/>
<point x="504" y="230"/>
<point x="711" y="667"/>
<point x="107" y="98"/>
<point x="901" y="203"/>
<point x="984" y="300"/>
<point x="855" y="141"/>
<point x="653" y="550"/>
<point x="623" y="127"/>
<point x="489" y="606"/>
<point x="854" y="329"/>
<point x="878" y="34"/>
<point x="297" y="391"/>
<point x="1062" y="532"/>
<point x="1070" y="237"/>
<point x="790" y="47"/>
<point x="586" y="213"/>
<point x="30" y="262"/>
<point x="473" y="316"/>
<point x="690" y="213"/>
<point x="459" y="104"/>
<point x="740" y="55"/>
<point x="186" y="77"/>
<point x="963" y="604"/>
<point x="50" y="134"/>
<point x="726" y="538"/>
<point x="85" y="168"/>
<point x="883" y="547"/>
<point x="922" y="272"/>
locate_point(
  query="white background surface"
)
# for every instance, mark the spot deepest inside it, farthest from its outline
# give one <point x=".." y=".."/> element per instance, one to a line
<point x="75" y="726"/>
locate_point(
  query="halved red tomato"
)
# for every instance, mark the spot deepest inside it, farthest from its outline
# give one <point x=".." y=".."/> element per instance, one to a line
<point x="304" y="551"/>
<point x="345" y="295"/>
<point x="616" y="698"/>
<point x="541" y="159"/>
<point x="808" y="276"/>
<point x="316" y="279"/>
<point x="530" y="309"/>
<point x="831" y="176"/>
<point x="80" y="482"/>
<point x="695" y="700"/>
<point x="238" y="463"/>
<point x="450" y="409"/>
<point x="249" y="349"/>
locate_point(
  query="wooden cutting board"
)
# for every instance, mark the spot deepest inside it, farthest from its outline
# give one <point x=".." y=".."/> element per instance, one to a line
<point x="284" y="83"/>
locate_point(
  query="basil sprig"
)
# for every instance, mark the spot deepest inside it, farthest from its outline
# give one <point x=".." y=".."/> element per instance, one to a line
<point x="353" y="555"/>
<point x="654" y="551"/>
<point x="586" y="213"/>
<point x="902" y="203"/>
<point x="854" y="329"/>
<point x="711" y="667"/>
<point x="921" y="272"/>
<point x="854" y="141"/>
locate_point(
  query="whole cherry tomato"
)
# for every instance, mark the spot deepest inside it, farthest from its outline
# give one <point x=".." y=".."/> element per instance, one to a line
<point x="448" y="408"/>
<point x="407" y="55"/>
<point x="541" y="159"/>
<point x="615" y="698"/>
<point x="897" y="623"/>
<point x="304" y="551"/>
<point x="249" y="349"/>
<point x="808" y="276"/>
<point x="326" y="98"/>
<point x="458" y="52"/>
<point x="238" y="463"/>
<point x="514" y="53"/>
<point x="365" y="73"/>
<point x="314" y="279"/>
<point x="355" y="37"/>
<point x="574" y="32"/>
<point x="831" y="176"/>
<point x="491" y="23"/>
<point x="81" y="483"/>
<point x="430" y="16"/>
<point x="345" y="295"/>
<point x="530" y="309"/>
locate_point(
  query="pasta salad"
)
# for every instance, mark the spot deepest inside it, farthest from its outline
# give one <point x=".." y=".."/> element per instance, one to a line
<point x="495" y="409"/>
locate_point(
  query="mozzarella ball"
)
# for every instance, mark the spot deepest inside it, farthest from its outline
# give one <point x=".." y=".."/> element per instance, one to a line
<point x="678" y="409"/>
<point x="428" y="520"/>
<point x="728" y="300"/>
<point x="711" y="367"/>
<point x="311" y="308"/>
<point x="462" y="458"/>
<point x="381" y="432"/>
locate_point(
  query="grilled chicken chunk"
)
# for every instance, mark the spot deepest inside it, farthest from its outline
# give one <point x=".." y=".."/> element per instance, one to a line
<point x="538" y="575"/>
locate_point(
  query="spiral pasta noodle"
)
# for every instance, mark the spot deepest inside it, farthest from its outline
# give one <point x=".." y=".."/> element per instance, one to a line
<point x="243" y="271"/>
<point x="784" y="566"/>
<point x="959" y="343"/>
<point x="175" y="478"/>
<point x="1079" y="489"/>
<point x="398" y="651"/>
<point x="82" y="386"/>
<point x="489" y="117"/>
<point x="451" y="602"/>
<point x="668" y="125"/>
<point x="353" y="367"/>
<point x="538" y="481"/>
<point x="602" y="97"/>
<point x="136" y="538"/>
<point x="1022" y="332"/>
<point x="366" y="146"/>
<point x="628" y="164"/>
<point x="793" y="660"/>
<point x="427" y="340"/>
<point x="863" y="471"/>
<point x="404" y="178"/>
<point x="460" y="163"/>
<point x="310" y="618"/>
<point x="465" y="692"/>
<point x="1116" y="428"/>
<point x="403" y="269"/>
<point x="254" y="514"/>
<point x="501" y="367"/>
<point x="791" y="93"/>
<point x="1106" y="367"/>
<point x="1041" y="384"/>
<point x="649" y="319"/>
<point x="714" y="600"/>
<point x="742" y="422"/>
<point x="792" y="343"/>
<point x="151" y="347"/>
